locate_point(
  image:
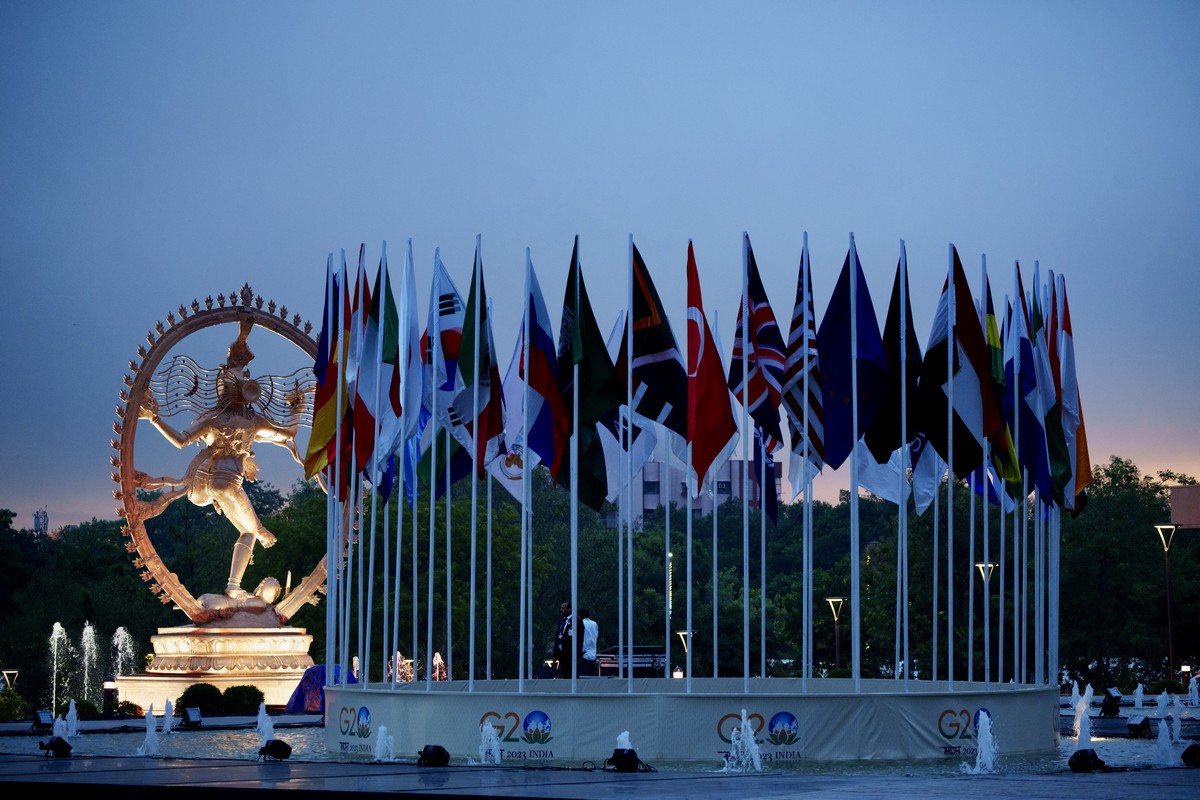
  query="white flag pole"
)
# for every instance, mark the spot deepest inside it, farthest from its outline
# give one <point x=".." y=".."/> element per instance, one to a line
<point x="435" y="337"/>
<point x="627" y="458"/>
<point x="855" y="589"/>
<point x="524" y="609"/>
<point x="478" y="281"/>
<point x="746" y="466"/>
<point x="951" y="313"/>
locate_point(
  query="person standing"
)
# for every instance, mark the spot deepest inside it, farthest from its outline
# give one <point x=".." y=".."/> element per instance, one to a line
<point x="587" y="648"/>
<point x="563" y="652"/>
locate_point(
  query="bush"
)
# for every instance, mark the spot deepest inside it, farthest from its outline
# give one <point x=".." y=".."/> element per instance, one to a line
<point x="128" y="709"/>
<point x="83" y="708"/>
<point x="242" y="699"/>
<point x="1168" y="685"/>
<point x="203" y="696"/>
<point x="12" y="706"/>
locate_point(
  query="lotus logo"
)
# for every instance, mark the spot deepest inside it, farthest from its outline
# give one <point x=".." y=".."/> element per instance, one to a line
<point x="783" y="729"/>
<point x="362" y="723"/>
<point x="537" y="728"/>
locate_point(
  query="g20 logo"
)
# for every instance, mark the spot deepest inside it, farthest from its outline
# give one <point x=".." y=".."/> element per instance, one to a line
<point x="534" y="729"/>
<point x="957" y="724"/>
<point x="727" y="724"/>
<point x="783" y="729"/>
<point x="354" y="721"/>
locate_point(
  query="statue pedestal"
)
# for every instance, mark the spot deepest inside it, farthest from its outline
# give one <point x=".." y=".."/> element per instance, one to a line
<point x="273" y="659"/>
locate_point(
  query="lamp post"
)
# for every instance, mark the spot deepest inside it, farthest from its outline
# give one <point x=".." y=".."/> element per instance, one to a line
<point x="835" y="605"/>
<point x="985" y="572"/>
<point x="1166" y="533"/>
<point x="110" y="693"/>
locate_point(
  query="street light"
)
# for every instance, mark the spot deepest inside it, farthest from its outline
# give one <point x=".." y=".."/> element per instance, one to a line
<point x="110" y="693"/>
<point x="835" y="605"/>
<point x="985" y="572"/>
<point x="1166" y="533"/>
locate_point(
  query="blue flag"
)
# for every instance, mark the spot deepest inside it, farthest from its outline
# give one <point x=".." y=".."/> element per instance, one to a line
<point x="837" y="363"/>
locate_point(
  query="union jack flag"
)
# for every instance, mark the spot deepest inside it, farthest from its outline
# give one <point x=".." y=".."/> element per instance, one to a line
<point x="761" y="389"/>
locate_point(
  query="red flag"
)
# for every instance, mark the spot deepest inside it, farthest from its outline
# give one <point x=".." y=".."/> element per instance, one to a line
<point x="711" y="429"/>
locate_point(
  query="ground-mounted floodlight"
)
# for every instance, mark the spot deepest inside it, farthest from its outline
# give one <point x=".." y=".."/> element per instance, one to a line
<point x="192" y="718"/>
<point x="275" y="750"/>
<point x="433" y="755"/>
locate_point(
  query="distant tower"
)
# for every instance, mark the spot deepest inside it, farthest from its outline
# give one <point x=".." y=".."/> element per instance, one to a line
<point x="41" y="521"/>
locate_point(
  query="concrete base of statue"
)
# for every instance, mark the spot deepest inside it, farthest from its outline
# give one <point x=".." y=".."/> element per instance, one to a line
<point x="273" y="659"/>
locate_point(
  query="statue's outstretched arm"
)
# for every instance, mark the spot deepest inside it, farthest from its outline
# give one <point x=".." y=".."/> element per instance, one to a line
<point x="149" y="411"/>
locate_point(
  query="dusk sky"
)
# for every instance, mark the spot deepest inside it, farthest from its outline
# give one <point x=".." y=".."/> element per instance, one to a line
<point x="154" y="153"/>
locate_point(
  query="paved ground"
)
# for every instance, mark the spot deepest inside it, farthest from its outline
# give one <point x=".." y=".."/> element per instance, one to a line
<point x="98" y="777"/>
<point x="130" y="777"/>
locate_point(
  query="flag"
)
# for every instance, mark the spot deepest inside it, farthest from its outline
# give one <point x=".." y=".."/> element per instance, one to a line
<point x="659" y="377"/>
<point x="628" y="442"/>
<point x="802" y="361"/>
<point x="1004" y="449"/>
<point x="479" y="406"/>
<point x="903" y="352"/>
<point x="331" y="416"/>
<point x="712" y="430"/>
<point x="377" y="390"/>
<point x="929" y="469"/>
<point x="1023" y="401"/>
<point x="882" y="480"/>
<point x="762" y="387"/>
<point x="1056" y="442"/>
<point x="975" y="415"/>
<point x="768" y="496"/>
<point x="443" y="334"/>
<point x="508" y="470"/>
<point x="580" y="343"/>
<point x="360" y="308"/>
<point x="838" y="362"/>
<point x="549" y="422"/>
<point x="326" y="369"/>
<point x="988" y="484"/>
<point x="1072" y="411"/>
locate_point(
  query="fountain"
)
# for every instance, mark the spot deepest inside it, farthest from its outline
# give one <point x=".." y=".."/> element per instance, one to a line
<point x="743" y="749"/>
<point x="1084" y="723"/>
<point x="1165" y="751"/>
<point x="1164" y="704"/>
<point x="1193" y="694"/>
<point x="72" y="719"/>
<point x="59" y="729"/>
<point x="123" y="655"/>
<point x="1074" y="693"/>
<point x="265" y="729"/>
<point x="985" y="754"/>
<point x="1137" y="696"/>
<point x="60" y="649"/>
<point x="168" y="718"/>
<point x="384" y="745"/>
<point x="90" y="656"/>
<point x="150" y="746"/>
<point x="1082" y="706"/>
<point x="489" y="744"/>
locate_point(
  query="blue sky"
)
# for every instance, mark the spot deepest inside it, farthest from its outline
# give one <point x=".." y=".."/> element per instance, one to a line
<point x="153" y="153"/>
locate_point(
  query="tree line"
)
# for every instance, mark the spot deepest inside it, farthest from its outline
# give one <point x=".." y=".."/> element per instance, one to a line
<point x="1113" y="612"/>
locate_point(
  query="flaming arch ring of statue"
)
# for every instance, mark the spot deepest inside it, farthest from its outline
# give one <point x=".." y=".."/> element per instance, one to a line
<point x="248" y="312"/>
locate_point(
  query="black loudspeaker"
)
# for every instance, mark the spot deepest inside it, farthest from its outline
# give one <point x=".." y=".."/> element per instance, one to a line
<point x="1085" y="761"/>
<point x="624" y="760"/>
<point x="1191" y="755"/>
<point x="275" y="750"/>
<point x="433" y="755"/>
<point x="57" y="747"/>
<point x="1138" y="726"/>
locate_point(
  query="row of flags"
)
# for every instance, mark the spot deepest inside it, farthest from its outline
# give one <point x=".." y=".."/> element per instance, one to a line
<point x="995" y="397"/>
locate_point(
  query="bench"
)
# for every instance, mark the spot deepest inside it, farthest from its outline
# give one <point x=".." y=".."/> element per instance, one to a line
<point x="646" y="661"/>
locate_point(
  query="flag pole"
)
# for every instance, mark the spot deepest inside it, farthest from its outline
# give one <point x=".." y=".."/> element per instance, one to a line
<point x="626" y="431"/>
<point x="435" y="339"/>
<point x="951" y="314"/>
<point x="806" y="605"/>
<point x="523" y="607"/>
<point x="578" y="267"/>
<point x="905" y="455"/>
<point x="855" y="589"/>
<point x="745" y="463"/>
<point x="477" y="281"/>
